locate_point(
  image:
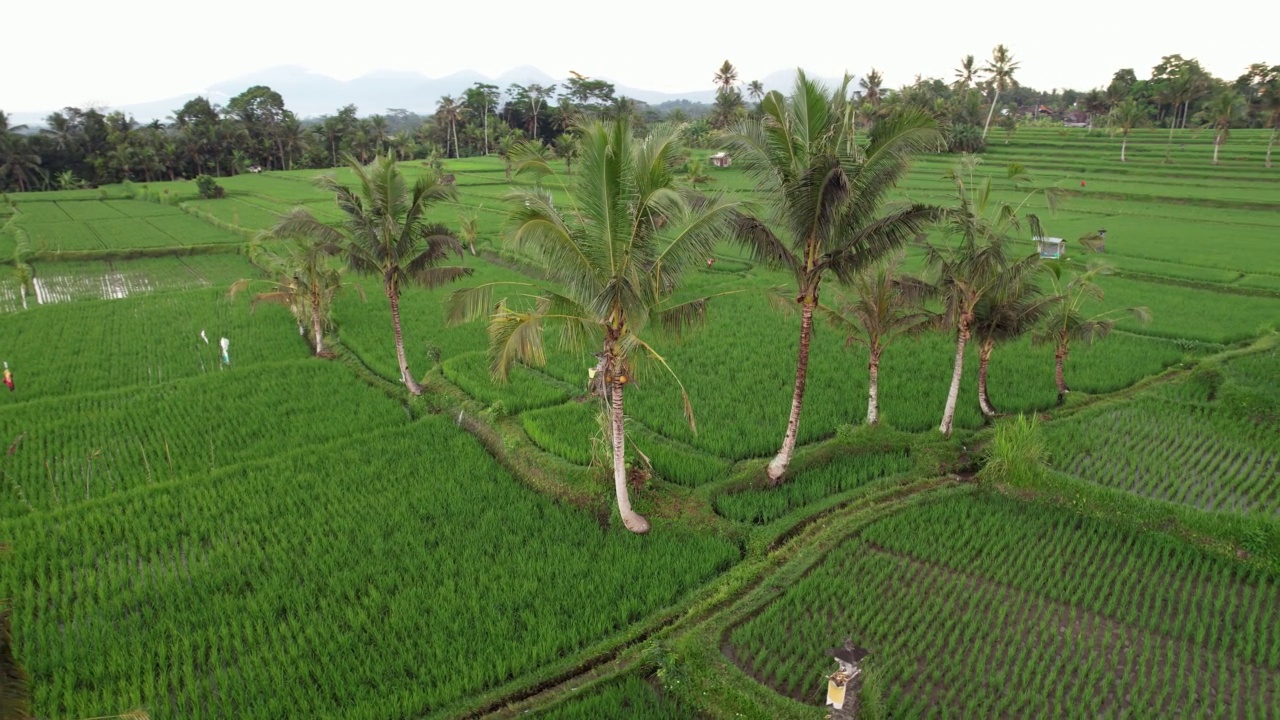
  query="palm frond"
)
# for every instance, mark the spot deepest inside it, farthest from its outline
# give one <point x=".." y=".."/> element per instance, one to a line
<point x="435" y="277"/>
<point x="684" y="394"/>
<point x="474" y="303"/>
<point x="686" y="316"/>
<point x="514" y="336"/>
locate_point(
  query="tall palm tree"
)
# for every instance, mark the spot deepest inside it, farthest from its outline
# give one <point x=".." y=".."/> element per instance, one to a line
<point x="755" y="90"/>
<point x="726" y="77"/>
<point x="303" y="280"/>
<point x="975" y="261"/>
<point x="567" y="149"/>
<point x="385" y="233"/>
<point x="1065" y="319"/>
<point x="614" y="256"/>
<point x="469" y="227"/>
<point x="966" y="75"/>
<point x="22" y="270"/>
<point x="828" y="204"/>
<point x="1126" y="116"/>
<point x="450" y="110"/>
<point x="1224" y="110"/>
<point x="1271" y="105"/>
<point x="1175" y="92"/>
<point x="1010" y="310"/>
<point x="1000" y="69"/>
<point x="871" y="87"/>
<point x="17" y="163"/>
<point x="881" y="310"/>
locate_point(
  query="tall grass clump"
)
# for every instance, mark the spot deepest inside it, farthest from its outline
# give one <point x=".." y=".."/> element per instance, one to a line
<point x="1018" y="453"/>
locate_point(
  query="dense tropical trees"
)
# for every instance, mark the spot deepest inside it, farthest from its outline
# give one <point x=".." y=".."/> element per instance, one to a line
<point x="1067" y="318"/>
<point x="385" y="233"/>
<point x="1126" y="116"/>
<point x="974" y="260"/>
<point x="882" y="308"/>
<point x="614" y="256"/>
<point x="483" y="98"/>
<point x="828" y="206"/>
<point x="1000" y="70"/>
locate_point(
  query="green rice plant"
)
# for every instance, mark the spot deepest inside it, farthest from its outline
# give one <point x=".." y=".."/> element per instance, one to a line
<point x="526" y="388"/>
<point x="842" y="473"/>
<point x="1017" y="454"/>
<point x="630" y="696"/>
<point x="1209" y="441"/>
<point x="1019" y="594"/>
<point x="290" y="573"/>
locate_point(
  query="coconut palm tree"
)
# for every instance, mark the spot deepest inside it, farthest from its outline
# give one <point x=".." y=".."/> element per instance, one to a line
<point x="1126" y="116"/>
<point x="726" y="77"/>
<point x="1010" y="310"/>
<point x="22" y="270"/>
<point x="880" y="310"/>
<point x="975" y="260"/>
<point x="303" y="280"/>
<point x="871" y="87"/>
<point x="567" y="149"/>
<point x="450" y="110"/>
<point x="614" y="255"/>
<point x="1000" y="69"/>
<point x="469" y="227"/>
<point x="17" y="163"/>
<point x="966" y="75"/>
<point x="385" y="233"/>
<point x="1223" y="110"/>
<point x="755" y="90"/>
<point x="828" y="204"/>
<point x="1065" y="320"/>
<point x="1270" y="100"/>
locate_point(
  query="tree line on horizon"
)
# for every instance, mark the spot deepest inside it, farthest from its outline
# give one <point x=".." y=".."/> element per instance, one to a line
<point x="85" y="147"/>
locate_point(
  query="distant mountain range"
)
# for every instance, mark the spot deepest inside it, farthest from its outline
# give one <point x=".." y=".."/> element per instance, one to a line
<point x="310" y="94"/>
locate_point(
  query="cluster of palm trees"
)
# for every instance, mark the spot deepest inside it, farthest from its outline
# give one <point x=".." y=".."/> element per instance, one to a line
<point x="615" y="254"/>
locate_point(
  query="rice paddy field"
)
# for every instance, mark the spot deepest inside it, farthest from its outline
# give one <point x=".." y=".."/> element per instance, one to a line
<point x="287" y="536"/>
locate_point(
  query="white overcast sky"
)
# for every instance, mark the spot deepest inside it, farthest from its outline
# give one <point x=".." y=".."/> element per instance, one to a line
<point x="76" y="52"/>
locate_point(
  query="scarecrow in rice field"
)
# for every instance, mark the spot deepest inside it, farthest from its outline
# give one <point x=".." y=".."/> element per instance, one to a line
<point x="224" y="344"/>
<point x="8" y="377"/>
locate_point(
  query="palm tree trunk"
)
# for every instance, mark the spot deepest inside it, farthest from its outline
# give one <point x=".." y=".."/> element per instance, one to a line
<point x="1217" y="142"/>
<point x="949" y="412"/>
<point x="1059" y="360"/>
<point x="1123" y="142"/>
<point x="990" y="112"/>
<point x="486" y="130"/>
<point x="778" y="466"/>
<point x="873" y="387"/>
<point x="317" y="327"/>
<point x="633" y="521"/>
<point x="405" y="375"/>
<point x="984" y="359"/>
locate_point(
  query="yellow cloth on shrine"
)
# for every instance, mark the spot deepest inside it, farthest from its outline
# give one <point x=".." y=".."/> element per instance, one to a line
<point x="835" y="695"/>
